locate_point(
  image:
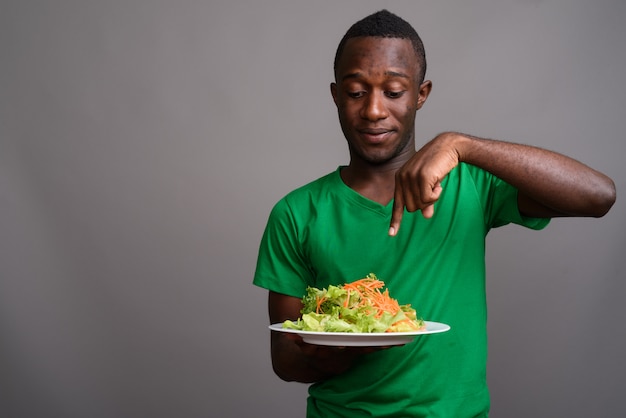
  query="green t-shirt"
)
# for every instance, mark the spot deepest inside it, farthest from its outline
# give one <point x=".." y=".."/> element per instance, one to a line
<point x="326" y="233"/>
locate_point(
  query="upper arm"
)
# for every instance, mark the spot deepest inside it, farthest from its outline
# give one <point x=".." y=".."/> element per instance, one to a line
<point x="282" y="307"/>
<point x="531" y="208"/>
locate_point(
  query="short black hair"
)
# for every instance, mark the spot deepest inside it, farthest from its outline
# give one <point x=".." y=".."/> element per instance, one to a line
<point x="384" y="24"/>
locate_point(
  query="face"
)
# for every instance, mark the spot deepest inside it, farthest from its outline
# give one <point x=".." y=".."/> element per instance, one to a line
<point x="377" y="93"/>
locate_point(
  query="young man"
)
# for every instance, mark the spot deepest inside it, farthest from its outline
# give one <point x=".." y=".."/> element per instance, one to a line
<point x="418" y="220"/>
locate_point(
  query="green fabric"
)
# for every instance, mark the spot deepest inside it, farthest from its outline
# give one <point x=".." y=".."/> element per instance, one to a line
<point x="326" y="233"/>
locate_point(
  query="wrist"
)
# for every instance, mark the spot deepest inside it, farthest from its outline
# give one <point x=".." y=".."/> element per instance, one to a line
<point x="460" y="143"/>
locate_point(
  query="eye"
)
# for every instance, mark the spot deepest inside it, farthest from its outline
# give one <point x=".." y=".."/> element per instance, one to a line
<point x="394" y="94"/>
<point x="355" y="94"/>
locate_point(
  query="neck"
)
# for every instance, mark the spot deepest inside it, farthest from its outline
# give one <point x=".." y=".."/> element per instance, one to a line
<point x="373" y="181"/>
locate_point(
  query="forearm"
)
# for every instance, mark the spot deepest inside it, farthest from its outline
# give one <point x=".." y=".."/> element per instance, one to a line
<point x="560" y="184"/>
<point x="305" y="363"/>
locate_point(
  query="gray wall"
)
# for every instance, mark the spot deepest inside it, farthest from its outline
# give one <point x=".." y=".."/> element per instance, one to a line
<point x="143" y="144"/>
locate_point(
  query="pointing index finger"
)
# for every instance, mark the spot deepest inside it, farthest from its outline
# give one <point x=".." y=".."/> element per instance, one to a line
<point x="397" y="212"/>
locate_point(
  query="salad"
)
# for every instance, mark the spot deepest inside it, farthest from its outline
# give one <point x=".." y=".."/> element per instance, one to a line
<point x="360" y="306"/>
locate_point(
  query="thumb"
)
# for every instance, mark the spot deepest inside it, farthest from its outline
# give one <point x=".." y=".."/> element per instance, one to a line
<point x="429" y="210"/>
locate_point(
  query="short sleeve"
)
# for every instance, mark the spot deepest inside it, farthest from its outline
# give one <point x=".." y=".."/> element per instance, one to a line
<point x="499" y="200"/>
<point x="281" y="266"/>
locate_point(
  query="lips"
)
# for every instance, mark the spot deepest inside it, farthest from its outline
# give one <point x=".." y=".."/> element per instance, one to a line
<point x="375" y="135"/>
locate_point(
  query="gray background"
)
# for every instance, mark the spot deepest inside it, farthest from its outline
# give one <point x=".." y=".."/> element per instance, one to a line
<point x="143" y="144"/>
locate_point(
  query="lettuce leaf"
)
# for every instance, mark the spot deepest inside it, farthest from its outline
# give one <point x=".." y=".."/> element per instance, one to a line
<point x="334" y="309"/>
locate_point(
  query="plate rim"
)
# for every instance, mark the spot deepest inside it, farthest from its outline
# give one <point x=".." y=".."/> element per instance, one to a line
<point x="443" y="328"/>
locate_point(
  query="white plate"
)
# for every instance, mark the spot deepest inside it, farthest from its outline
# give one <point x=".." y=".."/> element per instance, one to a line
<point x="375" y="339"/>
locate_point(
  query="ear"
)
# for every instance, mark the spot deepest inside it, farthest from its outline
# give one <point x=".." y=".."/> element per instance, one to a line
<point x="424" y="91"/>
<point x="333" y="92"/>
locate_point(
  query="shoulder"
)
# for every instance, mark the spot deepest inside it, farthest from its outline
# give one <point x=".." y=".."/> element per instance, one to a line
<point x="468" y="174"/>
<point x="308" y="194"/>
<point x="313" y="189"/>
<point x="465" y="169"/>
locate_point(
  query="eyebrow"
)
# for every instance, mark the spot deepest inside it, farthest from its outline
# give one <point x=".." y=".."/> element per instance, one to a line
<point x="387" y="73"/>
<point x="396" y="74"/>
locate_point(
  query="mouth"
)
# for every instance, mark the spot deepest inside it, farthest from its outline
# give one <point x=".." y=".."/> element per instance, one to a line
<point x="375" y="135"/>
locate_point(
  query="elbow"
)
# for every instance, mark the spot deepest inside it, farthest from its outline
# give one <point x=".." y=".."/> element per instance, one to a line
<point x="604" y="199"/>
<point x="281" y="374"/>
<point x="287" y="374"/>
<point x="281" y="369"/>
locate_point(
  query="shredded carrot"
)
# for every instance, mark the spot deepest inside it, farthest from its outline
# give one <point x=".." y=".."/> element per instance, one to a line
<point x="369" y="290"/>
<point x="318" y="303"/>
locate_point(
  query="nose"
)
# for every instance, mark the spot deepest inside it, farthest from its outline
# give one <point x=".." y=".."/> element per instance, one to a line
<point x="374" y="107"/>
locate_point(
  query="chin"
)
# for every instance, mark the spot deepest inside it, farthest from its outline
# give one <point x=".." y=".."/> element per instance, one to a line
<point x="378" y="159"/>
<point x="375" y="155"/>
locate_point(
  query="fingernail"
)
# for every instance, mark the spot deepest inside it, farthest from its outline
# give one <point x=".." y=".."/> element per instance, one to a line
<point x="392" y="231"/>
